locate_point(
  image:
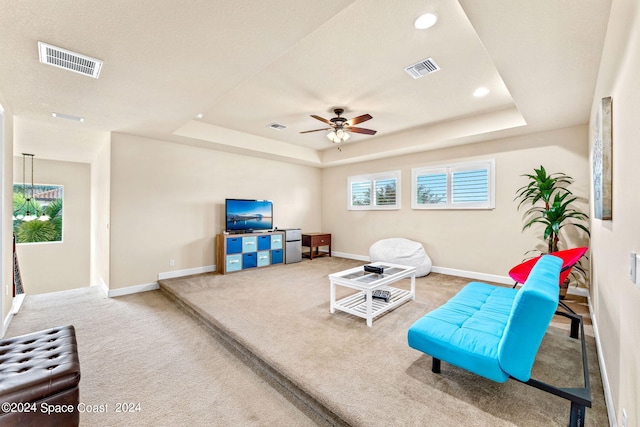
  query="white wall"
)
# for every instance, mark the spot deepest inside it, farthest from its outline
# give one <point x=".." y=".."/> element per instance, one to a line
<point x="481" y="241"/>
<point x="6" y="139"/>
<point x="167" y="202"/>
<point x="51" y="267"/>
<point x="615" y="299"/>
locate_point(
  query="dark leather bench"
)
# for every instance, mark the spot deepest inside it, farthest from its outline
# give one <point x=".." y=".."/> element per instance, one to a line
<point x="39" y="379"/>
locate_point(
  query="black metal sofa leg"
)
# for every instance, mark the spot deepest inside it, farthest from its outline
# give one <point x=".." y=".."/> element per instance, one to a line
<point x="435" y="366"/>
<point x="576" y="418"/>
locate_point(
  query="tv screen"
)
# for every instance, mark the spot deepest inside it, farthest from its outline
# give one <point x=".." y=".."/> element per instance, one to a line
<point x="248" y="215"/>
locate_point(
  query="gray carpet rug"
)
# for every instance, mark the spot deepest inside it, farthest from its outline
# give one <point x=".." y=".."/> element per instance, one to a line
<point x="369" y="376"/>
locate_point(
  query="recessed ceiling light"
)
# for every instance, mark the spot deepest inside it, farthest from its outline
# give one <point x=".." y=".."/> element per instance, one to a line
<point x="199" y="116"/>
<point x="425" y="21"/>
<point x="480" y="92"/>
<point x="67" y="117"/>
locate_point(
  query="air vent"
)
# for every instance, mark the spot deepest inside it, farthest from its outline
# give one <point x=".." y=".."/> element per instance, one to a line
<point x="422" y="68"/>
<point x="277" y="126"/>
<point x="68" y="60"/>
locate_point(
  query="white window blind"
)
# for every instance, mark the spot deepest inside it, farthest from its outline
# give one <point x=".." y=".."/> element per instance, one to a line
<point x="375" y="191"/>
<point x="361" y="193"/>
<point x="431" y="187"/>
<point x="456" y="186"/>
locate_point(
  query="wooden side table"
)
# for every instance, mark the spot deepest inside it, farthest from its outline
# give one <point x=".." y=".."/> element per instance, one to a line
<point x="316" y="240"/>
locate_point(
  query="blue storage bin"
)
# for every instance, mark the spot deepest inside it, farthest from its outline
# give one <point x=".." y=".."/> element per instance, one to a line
<point x="249" y="260"/>
<point x="249" y="244"/>
<point x="234" y="263"/>
<point x="264" y="243"/>
<point x="234" y="245"/>
<point x="276" y="241"/>
<point x="263" y="258"/>
<point x="276" y="256"/>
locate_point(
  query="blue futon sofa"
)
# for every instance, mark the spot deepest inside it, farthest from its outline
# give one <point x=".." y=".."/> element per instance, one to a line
<point x="495" y="331"/>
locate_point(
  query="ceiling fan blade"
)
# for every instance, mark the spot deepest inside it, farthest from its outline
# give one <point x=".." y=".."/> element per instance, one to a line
<point x="359" y="119"/>
<point x="361" y="130"/>
<point x="321" y="119"/>
<point x="316" y="130"/>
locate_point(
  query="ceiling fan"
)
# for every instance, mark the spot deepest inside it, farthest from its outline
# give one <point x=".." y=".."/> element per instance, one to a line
<point x="340" y="126"/>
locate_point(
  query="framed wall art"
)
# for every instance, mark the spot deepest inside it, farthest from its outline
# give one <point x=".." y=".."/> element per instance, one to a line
<point x="603" y="138"/>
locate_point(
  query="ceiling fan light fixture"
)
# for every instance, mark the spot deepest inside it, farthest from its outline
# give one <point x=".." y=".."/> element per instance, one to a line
<point x="425" y="21"/>
<point x="337" y="136"/>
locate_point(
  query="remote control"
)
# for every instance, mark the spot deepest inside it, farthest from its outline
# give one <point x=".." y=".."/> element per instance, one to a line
<point x="373" y="269"/>
<point x="381" y="294"/>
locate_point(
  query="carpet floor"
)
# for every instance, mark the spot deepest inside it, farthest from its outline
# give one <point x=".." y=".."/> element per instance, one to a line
<point x="143" y="350"/>
<point x="260" y="348"/>
<point x="365" y="376"/>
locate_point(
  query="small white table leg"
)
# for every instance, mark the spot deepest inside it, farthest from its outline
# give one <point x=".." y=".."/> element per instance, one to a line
<point x="413" y="286"/>
<point x="369" y="308"/>
<point x="332" y="297"/>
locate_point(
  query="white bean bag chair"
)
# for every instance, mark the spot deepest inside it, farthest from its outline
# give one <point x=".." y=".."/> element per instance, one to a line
<point x="401" y="251"/>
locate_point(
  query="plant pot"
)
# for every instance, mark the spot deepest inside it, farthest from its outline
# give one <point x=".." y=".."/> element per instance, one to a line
<point x="564" y="287"/>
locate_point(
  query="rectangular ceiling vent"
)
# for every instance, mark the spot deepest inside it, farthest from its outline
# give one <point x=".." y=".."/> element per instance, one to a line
<point x="422" y="68"/>
<point x="68" y="60"/>
<point x="277" y="126"/>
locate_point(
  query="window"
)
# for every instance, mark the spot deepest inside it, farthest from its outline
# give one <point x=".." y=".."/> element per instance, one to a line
<point x="37" y="213"/>
<point x="376" y="191"/>
<point x="458" y="186"/>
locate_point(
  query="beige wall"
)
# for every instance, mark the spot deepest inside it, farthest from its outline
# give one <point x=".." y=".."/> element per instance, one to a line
<point x="167" y="202"/>
<point x="100" y="203"/>
<point x="6" y="243"/>
<point x="480" y="241"/>
<point x="615" y="299"/>
<point x="51" y="267"/>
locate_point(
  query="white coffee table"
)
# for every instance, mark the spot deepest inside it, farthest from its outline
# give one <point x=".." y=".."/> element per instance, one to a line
<point x="361" y="304"/>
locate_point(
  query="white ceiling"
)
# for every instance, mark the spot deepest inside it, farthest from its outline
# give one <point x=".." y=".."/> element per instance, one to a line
<point x="245" y="64"/>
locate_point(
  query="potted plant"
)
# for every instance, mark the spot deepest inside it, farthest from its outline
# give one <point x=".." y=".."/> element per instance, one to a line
<point x="551" y="204"/>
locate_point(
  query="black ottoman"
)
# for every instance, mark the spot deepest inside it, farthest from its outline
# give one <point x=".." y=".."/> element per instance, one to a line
<point x="39" y="378"/>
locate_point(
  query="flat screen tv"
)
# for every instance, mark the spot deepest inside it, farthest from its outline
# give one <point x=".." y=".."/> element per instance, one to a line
<point x="247" y="216"/>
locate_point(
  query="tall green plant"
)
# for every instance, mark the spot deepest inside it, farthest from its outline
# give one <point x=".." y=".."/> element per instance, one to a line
<point x="551" y="204"/>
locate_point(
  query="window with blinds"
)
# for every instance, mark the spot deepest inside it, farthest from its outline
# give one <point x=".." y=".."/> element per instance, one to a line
<point x="457" y="186"/>
<point x="376" y="191"/>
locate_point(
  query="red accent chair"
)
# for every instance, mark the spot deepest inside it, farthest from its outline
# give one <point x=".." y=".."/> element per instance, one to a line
<point x="570" y="257"/>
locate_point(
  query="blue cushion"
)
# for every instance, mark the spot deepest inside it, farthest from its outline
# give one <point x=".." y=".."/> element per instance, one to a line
<point x="466" y="330"/>
<point x="489" y="330"/>
<point x="533" y="308"/>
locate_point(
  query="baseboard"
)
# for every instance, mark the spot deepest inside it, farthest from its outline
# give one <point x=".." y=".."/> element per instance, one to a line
<point x="17" y="303"/>
<point x="103" y="286"/>
<point x="608" y="398"/>
<point x="154" y="285"/>
<point x="186" y="272"/>
<point x="7" y="322"/>
<point x="15" y="308"/>
<point x="505" y="280"/>
<point x="111" y="293"/>
<point x="350" y="256"/>
<point x="443" y="270"/>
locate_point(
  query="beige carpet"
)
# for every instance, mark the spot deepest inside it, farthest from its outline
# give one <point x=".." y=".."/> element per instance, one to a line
<point x="369" y="376"/>
<point x="142" y="348"/>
